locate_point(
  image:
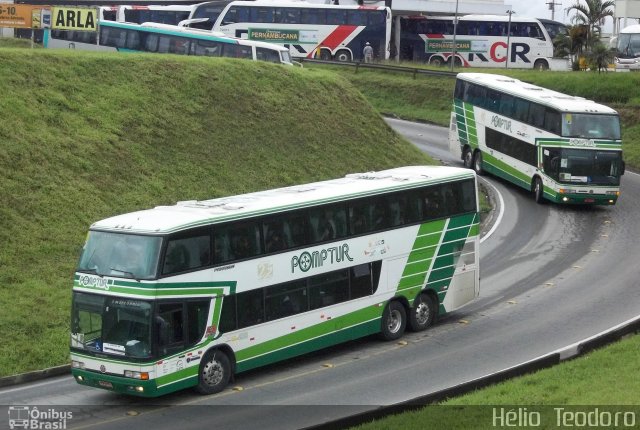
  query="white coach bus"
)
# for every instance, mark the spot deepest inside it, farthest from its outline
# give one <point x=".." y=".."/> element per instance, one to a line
<point x="565" y="149"/>
<point x="187" y="295"/>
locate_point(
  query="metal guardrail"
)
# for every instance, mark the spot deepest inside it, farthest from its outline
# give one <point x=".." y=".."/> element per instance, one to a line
<point x="359" y="65"/>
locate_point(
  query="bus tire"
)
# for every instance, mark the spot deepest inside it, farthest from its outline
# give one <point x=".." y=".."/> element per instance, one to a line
<point x="325" y="55"/>
<point x="538" y="190"/>
<point x="343" y="56"/>
<point x="477" y="163"/>
<point x="423" y="313"/>
<point x="467" y="158"/>
<point x="541" y="65"/>
<point x="214" y="373"/>
<point x="394" y="321"/>
<point x="436" y="61"/>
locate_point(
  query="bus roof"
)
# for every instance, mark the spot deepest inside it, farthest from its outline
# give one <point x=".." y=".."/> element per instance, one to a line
<point x="301" y="4"/>
<point x="194" y="32"/>
<point x="545" y="96"/>
<point x="499" y="18"/>
<point x="167" y="219"/>
<point x="631" y="29"/>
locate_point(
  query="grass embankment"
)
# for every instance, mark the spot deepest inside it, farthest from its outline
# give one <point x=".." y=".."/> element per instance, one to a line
<point x="428" y="98"/>
<point x="85" y="136"/>
<point x="584" y="385"/>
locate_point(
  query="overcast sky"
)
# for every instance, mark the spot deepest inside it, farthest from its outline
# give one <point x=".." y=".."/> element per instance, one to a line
<point x="540" y="9"/>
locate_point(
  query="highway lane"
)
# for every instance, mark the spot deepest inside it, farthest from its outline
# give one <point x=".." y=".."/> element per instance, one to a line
<point x="551" y="276"/>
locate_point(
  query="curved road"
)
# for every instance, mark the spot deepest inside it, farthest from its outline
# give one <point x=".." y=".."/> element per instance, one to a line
<point x="550" y="276"/>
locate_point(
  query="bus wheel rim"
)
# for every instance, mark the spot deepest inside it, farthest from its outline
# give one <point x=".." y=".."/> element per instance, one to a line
<point x="394" y="321"/>
<point x="422" y="313"/>
<point x="213" y="372"/>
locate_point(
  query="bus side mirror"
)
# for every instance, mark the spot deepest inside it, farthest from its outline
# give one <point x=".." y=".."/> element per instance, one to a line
<point x="162" y="330"/>
<point x="624" y="167"/>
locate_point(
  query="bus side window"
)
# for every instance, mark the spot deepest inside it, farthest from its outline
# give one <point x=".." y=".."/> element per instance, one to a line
<point x="267" y="54"/>
<point x="250" y="308"/>
<point x="151" y="44"/>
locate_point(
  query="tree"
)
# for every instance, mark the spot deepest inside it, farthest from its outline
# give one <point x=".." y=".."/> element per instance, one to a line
<point x="572" y="44"/>
<point x="600" y="57"/>
<point x="592" y="13"/>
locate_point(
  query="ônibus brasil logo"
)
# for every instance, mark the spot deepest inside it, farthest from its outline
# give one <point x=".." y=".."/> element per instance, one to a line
<point x="28" y="417"/>
<point x="309" y="260"/>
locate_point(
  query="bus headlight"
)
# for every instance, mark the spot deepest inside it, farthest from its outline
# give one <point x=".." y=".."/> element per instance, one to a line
<point x="566" y="191"/>
<point x="136" y="375"/>
<point x="613" y="193"/>
<point x="77" y="364"/>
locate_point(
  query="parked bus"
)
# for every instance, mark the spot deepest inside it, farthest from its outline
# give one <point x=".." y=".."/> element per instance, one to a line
<point x="204" y="15"/>
<point x="563" y="148"/>
<point x="165" y="39"/>
<point x="188" y="295"/>
<point x="327" y="31"/>
<point x="481" y="41"/>
<point x="169" y="14"/>
<point x="628" y="49"/>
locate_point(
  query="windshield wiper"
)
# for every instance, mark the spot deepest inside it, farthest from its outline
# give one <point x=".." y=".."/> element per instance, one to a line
<point x="93" y="271"/>
<point x="130" y="274"/>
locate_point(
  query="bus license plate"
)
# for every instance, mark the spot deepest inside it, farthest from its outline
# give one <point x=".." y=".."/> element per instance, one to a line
<point x="589" y="200"/>
<point x="105" y="384"/>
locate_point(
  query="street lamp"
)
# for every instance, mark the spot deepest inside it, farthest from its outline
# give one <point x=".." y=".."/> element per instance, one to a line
<point x="455" y="30"/>
<point x="506" y="63"/>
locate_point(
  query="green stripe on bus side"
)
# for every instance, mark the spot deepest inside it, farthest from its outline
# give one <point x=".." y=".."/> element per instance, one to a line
<point x="460" y="122"/>
<point x="331" y="338"/>
<point x="498" y="168"/>
<point x="373" y="312"/>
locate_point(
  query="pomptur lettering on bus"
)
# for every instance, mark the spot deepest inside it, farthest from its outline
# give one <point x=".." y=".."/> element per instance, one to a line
<point x="309" y="260"/>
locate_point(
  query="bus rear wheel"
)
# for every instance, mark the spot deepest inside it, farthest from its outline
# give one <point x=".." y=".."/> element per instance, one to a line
<point x="477" y="163"/>
<point x="343" y="56"/>
<point x="394" y="321"/>
<point x="423" y="313"/>
<point x="541" y="65"/>
<point x="436" y="61"/>
<point x="467" y="158"/>
<point x="215" y="372"/>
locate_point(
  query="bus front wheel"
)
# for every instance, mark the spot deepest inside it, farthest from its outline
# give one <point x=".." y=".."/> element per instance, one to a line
<point x="538" y="190"/>
<point x="215" y="372"/>
<point x="477" y="163"/>
<point x="394" y="321"/>
<point x="423" y="313"/>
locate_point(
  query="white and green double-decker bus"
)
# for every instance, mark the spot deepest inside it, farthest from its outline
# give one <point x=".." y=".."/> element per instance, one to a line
<point x="563" y="148"/>
<point x="188" y="295"/>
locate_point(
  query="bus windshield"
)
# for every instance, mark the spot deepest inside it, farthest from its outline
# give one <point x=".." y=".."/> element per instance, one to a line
<point x="121" y="255"/>
<point x="111" y="325"/>
<point x="591" y="126"/>
<point x="583" y="166"/>
<point x="628" y="45"/>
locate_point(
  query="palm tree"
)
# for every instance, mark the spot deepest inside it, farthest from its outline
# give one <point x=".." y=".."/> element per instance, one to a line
<point x="592" y="13"/>
<point x="600" y="57"/>
<point x="572" y="44"/>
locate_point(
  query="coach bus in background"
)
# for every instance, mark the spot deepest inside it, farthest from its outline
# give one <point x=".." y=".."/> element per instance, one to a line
<point x="563" y="148"/>
<point x="188" y="295"/>
<point x="325" y="31"/>
<point x="627" y="49"/>
<point x="481" y="41"/>
<point x="165" y="39"/>
<point x="204" y="15"/>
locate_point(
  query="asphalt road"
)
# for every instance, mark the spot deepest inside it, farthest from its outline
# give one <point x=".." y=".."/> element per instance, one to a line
<point x="550" y="276"/>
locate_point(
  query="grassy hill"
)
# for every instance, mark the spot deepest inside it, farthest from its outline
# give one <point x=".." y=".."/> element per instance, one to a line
<point x="86" y="136"/>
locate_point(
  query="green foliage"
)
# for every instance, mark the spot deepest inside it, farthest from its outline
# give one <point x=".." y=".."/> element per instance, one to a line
<point x="87" y="135"/>
<point x="573" y="385"/>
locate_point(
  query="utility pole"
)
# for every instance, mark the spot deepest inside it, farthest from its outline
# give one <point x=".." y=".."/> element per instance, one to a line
<point x="510" y="12"/>
<point x="552" y="8"/>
